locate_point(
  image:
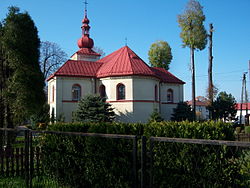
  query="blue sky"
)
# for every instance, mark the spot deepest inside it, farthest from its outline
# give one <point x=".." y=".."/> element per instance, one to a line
<point x="143" y="22"/>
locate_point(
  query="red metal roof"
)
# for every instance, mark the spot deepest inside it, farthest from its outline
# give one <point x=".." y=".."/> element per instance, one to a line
<point x="166" y="76"/>
<point x="123" y="62"/>
<point x="73" y="68"/>
<point x="87" y="51"/>
<point x="244" y="106"/>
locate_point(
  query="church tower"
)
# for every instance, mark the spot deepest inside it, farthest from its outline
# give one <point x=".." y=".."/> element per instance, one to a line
<point x="85" y="43"/>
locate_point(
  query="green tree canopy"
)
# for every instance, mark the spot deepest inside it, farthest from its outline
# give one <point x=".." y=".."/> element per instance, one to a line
<point x="94" y="108"/>
<point x="23" y="81"/>
<point x="193" y="35"/>
<point x="182" y="112"/>
<point x="224" y="106"/>
<point x="160" y="55"/>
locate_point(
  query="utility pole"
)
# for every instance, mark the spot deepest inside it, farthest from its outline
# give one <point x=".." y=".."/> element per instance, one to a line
<point x="244" y="98"/>
<point x="210" y="70"/>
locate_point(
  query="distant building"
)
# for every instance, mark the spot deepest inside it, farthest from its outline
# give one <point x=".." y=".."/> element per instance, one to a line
<point x="245" y="111"/>
<point x="202" y="113"/>
<point x="133" y="88"/>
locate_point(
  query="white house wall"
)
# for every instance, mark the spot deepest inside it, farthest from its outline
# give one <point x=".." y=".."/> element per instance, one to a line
<point x="166" y="106"/>
<point x="139" y="96"/>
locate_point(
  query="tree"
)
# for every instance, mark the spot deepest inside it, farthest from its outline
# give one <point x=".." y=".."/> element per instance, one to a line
<point x="224" y="106"/>
<point x="23" y="84"/>
<point x="182" y="112"/>
<point x="193" y="35"/>
<point x="155" y="116"/>
<point x="99" y="51"/>
<point x="51" y="58"/>
<point x="160" y="55"/>
<point x="94" y="108"/>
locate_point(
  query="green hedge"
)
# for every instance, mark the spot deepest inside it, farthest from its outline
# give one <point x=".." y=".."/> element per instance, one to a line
<point x="101" y="162"/>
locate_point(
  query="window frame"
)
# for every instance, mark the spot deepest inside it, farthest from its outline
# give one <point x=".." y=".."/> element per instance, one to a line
<point x="118" y="94"/>
<point x="170" y="99"/>
<point x="102" y="91"/>
<point x="156" y="92"/>
<point x="79" y="94"/>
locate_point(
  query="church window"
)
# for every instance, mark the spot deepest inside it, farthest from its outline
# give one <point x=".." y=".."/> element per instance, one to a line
<point x="76" y="92"/>
<point x="156" y="93"/>
<point x="120" y="91"/>
<point x="170" y="95"/>
<point x="102" y="91"/>
<point x="53" y="94"/>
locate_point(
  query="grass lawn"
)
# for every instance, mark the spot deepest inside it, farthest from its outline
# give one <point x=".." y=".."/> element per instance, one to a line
<point x="37" y="182"/>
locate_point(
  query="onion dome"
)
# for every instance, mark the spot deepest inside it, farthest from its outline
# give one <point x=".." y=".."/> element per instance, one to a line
<point x="85" y="20"/>
<point x="85" y="42"/>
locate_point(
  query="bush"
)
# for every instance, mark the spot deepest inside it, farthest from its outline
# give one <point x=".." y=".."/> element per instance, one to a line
<point x="97" y="162"/>
<point x="247" y="129"/>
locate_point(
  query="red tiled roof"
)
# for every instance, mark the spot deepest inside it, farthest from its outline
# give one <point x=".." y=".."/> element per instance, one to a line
<point x="166" y="76"/>
<point x="77" y="69"/>
<point x="123" y="62"/>
<point x="244" y="106"/>
<point x="87" y="51"/>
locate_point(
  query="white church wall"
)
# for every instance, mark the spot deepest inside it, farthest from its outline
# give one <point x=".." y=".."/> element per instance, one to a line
<point x="177" y="92"/>
<point x="84" y="57"/>
<point x="144" y="88"/>
<point x="167" y="110"/>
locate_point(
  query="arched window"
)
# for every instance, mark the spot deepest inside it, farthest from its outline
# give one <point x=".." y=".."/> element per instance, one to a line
<point x="102" y="91"/>
<point x="76" y="92"/>
<point x="170" y="95"/>
<point x="53" y="94"/>
<point x="120" y="90"/>
<point x="156" y="93"/>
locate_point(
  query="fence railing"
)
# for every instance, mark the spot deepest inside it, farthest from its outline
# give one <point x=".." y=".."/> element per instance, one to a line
<point x="243" y="137"/>
<point x="198" y="163"/>
<point x="163" y="162"/>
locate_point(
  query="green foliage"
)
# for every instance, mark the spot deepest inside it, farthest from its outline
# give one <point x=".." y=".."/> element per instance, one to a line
<point x="182" y="112"/>
<point x="23" y="92"/>
<point x="160" y="55"/>
<point x="247" y="129"/>
<point x="193" y="32"/>
<point x="95" y="109"/>
<point x="97" y="162"/>
<point x="224" y="106"/>
<point x="155" y="116"/>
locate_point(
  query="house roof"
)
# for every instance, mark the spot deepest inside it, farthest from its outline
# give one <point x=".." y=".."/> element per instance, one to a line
<point x="166" y="76"/>
<point x="87" y="51"/>
<point x="73" y="68"/>
<point x="244" y="106"/>
<point x="123" y="62"/>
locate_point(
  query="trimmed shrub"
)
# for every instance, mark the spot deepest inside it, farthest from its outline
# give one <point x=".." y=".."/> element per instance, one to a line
<point x="104" y="162"/>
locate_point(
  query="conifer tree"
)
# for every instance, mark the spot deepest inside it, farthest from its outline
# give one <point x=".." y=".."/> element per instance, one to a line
<point x="182" y="112"/>
<point x="23" y="92"/>
<point x="193" y="35"/>
<point x="155" y="116"/>
<point x="93" y="108"/>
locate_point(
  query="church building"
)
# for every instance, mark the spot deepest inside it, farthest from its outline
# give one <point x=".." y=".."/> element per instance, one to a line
<point x="133" y="88"/>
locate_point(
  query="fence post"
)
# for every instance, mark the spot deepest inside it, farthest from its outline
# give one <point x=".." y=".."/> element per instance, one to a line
<point x="135" y="175"/>
<point x="31" y="159"/>
<point x="143" y="161"/>
<point x="151" y="153"/>
<point x="27" y="158"/>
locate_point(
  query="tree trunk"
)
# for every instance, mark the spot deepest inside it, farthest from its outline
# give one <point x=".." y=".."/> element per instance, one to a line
<point x="193" y="83"/>
<point x="210" y="74"/>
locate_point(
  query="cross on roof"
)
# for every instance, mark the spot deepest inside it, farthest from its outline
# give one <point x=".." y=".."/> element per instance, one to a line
<point x="86" y="3"/>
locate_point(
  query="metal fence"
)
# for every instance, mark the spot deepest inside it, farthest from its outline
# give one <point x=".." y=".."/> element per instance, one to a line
<point x="178" y="162"/>
<point x="151" y="162"/>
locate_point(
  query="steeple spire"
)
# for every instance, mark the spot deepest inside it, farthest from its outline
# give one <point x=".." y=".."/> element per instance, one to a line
<point x="85" y="41"/>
